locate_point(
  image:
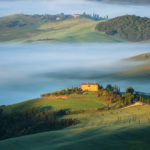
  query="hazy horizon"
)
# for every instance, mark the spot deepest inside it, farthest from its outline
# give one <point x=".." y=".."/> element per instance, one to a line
<point x="70" y="7"/>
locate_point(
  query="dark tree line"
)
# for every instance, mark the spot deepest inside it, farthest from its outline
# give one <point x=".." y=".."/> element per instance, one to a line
<point x="94" y="16"/>
<point x="30" y="121"/>
<point x="73" y="90"/>
<point x="132" y="28"/>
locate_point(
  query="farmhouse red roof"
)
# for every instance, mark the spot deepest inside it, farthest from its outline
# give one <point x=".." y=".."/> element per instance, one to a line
<point x="89" y="84"/>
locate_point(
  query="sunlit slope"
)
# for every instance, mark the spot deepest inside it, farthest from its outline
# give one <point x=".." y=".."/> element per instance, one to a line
<point x="65" y="24"/>
<point x="80" y="31"/>
<point x="123" y="129"/>
<point x="72" y="102"/>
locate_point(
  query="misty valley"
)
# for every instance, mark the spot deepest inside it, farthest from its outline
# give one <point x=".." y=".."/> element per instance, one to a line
<point x="74" y="74"/>
<point x="23" y="76"/>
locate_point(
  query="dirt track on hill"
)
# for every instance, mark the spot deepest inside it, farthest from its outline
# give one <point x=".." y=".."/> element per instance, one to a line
<point x="135" y="104"/>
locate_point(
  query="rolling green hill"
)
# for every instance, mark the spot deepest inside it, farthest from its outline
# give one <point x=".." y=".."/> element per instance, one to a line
<point x="131" y="28"/>
<point x="84" y="32"/>
<point x="122" y="129"/>
<point x="18" y="27"/>
<point x="71" y="102"/>
<point x="26" y="28"/>
<point x="125" y="128"/>
<point x="32" y="28"/>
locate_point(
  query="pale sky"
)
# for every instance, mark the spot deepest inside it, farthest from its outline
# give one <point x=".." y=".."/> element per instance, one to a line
<point x="8" y="7"/>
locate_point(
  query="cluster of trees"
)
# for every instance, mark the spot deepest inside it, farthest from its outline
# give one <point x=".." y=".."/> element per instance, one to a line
<point x="63" y="16"/>
<point x="26" y="20"/>
<point x="94" y="16"/>
<point x="112" y="94"/>
<point x="129" y="97"/>
<point x="30" y="121"/>
<point x="128" y="27"/>
<point x="73" y="90"/>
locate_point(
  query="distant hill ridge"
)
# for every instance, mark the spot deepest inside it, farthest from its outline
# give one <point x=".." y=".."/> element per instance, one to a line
<point x="126" y="1"/>
<point x="145" y="56"/>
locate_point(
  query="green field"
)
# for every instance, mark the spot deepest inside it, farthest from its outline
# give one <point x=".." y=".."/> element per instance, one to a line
<point x="80" y="32"/>
<point x="122" y="129"/>
<point x="19" y="27"/>
<point x="73" y="102"/>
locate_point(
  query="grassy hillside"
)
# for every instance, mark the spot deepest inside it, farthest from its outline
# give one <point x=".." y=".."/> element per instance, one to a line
<point x="82" y="32"/>
<point x="21" y="26"/>
<point x="73" y="102"/>
<point x="131" y="28"/>
<point x="122" y="129"/>
<point x="25" y="28"/>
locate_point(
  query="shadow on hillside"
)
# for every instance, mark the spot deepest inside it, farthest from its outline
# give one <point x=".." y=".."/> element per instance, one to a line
<point x="46" y="108"/>
<point x="119" y="139"/>
<point x="63" y="112"/>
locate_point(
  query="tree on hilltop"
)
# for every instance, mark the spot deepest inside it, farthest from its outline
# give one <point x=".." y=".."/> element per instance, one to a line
<point x="130" y="90"/>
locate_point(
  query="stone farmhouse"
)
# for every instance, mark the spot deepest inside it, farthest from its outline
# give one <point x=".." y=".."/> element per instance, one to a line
<point x="90" y="86"/>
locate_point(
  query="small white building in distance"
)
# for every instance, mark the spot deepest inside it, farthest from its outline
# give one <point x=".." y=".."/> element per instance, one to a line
<point x="58" y="18"/>
<point x="76" y="16"/>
